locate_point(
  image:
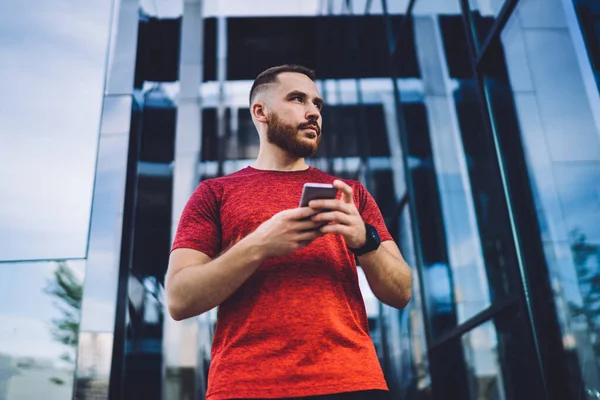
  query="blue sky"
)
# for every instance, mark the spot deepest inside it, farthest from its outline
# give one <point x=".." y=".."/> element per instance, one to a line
<point x="52" y="77"/>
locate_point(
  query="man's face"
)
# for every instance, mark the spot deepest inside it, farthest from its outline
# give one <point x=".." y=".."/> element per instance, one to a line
<point x="294" y="119"/>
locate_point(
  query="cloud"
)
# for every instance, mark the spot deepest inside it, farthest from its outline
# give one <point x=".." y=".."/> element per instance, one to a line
<point x="54" y="59"/>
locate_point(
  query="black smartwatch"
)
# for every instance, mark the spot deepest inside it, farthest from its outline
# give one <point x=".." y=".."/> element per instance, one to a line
<point x="372" y="243"/>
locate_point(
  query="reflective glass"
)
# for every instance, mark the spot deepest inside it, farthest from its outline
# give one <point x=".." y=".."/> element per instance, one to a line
<point x="121" y="63"/>
<point x="587" y="13"/>
<point x="461" y="284"/>
<point x="480" y="347"/>
<point x="575" y="275"/>
<point x="275" y="8"/>
<point x="52" y="77"/>
<point x="483" y="15"/>
<point x="484" y="176"/>
<point x="39" y="328"/>
<point x="579" y="195"/>
<point x="537" y="94"/>
<point x="94" y="360"/>
<point x="442" y="7"/>
<point x="541" y="14"/>
<point x="479" y="240"/>
<point x="105" y="235"/>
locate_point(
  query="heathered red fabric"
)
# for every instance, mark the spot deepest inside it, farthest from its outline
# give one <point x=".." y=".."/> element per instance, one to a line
<point x="298" y="326"/>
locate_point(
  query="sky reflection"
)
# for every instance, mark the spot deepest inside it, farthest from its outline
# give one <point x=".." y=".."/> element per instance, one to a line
<point x="53" y="68"/>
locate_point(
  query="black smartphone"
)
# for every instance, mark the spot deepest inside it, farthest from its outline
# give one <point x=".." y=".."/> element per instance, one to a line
<point x="317" y="191"/>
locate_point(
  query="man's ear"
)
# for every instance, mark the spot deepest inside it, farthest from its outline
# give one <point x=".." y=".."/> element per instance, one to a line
<point x="258" y="112"/>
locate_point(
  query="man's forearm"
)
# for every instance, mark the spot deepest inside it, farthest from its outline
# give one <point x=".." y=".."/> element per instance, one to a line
<point x="389" y="276"/>
<point x="199" y="288"/>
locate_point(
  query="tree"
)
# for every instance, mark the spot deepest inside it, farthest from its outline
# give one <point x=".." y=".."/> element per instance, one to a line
<point x="67" y="290"/>
<point x="588" y="276"/>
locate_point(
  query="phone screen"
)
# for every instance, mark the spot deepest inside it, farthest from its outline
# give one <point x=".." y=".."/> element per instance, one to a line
<point x="314" y="191"/>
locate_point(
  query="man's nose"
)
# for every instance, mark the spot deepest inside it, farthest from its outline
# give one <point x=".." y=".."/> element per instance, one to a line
<point x="313" y="113"/>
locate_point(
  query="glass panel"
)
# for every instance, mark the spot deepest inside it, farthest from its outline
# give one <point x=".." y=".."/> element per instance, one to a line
<point x="579" y="195"/>
<point x="481" y="354"/>
<point x="143" y="338"/>
<point x="461" y="287"/>
<point x="588" y="16"/>
<point x="449" y="377"/>
<point x="485" y="182"/>
<point x="57" y="56"/>
<point x="575" y="274"/>
<point x="428" y="7"/>
<point x="537" y="95"/>
<point x="158" y="123"/>
<point x="483" y="15"/>
<point x="484" y="189"/>
<point x="251" y="46"/>
<point x="39" y="328"/>
<point x="105" y="236"/>
<point x="538" y="14"/>
<point x="404" y="341"/>
<point x="121" y="63"/>
<point x="275" y="8"/>
<point x="93" y="365"/>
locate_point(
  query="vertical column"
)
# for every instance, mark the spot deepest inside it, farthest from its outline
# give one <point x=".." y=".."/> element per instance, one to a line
<point x="458" y="210"/>
<point x="99" y="302"/>
<point x="180" y="338"/>
<point x="465" y="255"/>
<point x="221" y="77"/>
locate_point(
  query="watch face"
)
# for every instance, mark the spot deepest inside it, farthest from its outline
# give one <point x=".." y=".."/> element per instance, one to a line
<point x="373" y="233"/>
<point x="373" y="239"/>
<point x="372" y="243"/>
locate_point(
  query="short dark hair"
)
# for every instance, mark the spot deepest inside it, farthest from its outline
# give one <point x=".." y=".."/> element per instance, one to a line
<point x="270" y="76"/>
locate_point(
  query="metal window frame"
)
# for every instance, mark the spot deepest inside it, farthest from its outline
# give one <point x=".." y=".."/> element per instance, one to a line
<point x="501" y="19"/>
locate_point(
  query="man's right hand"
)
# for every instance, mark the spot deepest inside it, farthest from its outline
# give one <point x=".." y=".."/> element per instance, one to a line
<point x="287" y="231"/>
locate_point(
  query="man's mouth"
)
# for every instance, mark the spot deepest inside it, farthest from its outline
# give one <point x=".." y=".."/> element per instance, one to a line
<point x="312" y="128"/>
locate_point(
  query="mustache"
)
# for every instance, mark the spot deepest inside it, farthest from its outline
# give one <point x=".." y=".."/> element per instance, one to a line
<point x="311" y="125"/>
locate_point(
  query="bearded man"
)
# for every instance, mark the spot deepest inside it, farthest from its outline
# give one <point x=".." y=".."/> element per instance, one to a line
<point x="291" y="319"/>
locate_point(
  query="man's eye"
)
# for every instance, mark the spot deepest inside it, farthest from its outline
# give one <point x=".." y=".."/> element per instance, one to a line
<point x="319" y="106"/>
<point x="297" y="98"/>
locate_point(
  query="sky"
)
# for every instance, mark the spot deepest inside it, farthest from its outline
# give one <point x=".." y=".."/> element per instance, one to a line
<point x="52" y="77"/>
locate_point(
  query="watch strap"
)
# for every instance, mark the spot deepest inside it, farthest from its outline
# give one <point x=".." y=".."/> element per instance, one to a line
<point x="372" y="243"/>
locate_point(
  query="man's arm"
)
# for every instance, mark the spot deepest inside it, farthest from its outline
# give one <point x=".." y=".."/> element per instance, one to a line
<point x="388" y="274"/>
<point x="195" y="283"/>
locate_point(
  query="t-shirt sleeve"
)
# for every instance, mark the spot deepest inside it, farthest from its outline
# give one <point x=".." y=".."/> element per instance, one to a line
<point x="370" y="212"/>
<point x="199" y="225"/>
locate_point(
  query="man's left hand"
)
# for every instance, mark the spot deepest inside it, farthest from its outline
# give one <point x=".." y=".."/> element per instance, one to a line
<point x="342" y="216"/>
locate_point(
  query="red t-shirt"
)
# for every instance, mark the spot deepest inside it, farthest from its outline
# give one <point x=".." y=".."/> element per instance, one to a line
<point x="298" y="326"/>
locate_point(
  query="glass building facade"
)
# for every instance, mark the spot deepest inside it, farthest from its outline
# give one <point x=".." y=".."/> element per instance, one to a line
<point x="475" y="124"/>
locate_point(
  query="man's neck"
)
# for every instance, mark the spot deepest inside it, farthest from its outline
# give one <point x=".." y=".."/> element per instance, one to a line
<point x="278" y="161"/>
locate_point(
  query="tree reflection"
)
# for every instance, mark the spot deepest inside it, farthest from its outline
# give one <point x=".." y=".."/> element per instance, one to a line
<point x="586" y="258"/>
<point x="67" y="290"/>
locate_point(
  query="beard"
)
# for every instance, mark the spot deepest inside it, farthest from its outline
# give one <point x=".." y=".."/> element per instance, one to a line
<point x="287" y="137"/>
